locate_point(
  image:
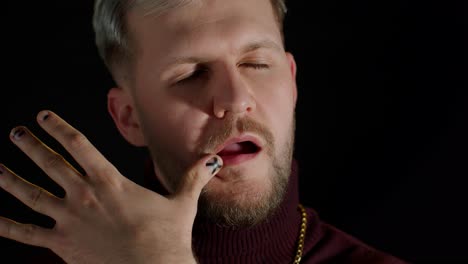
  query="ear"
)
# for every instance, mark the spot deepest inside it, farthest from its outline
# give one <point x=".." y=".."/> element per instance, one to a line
<point x="120" y="107"/>
<point x="293" y="69"/>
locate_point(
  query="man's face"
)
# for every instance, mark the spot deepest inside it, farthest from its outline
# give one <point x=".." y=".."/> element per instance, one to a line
<point x="208" y="72"/>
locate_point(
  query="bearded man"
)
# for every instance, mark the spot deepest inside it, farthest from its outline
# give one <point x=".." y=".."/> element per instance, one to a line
<point x="208" y="88"/>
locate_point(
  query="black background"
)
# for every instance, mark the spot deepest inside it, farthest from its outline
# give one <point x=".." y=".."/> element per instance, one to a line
<point x="381" y="117"/>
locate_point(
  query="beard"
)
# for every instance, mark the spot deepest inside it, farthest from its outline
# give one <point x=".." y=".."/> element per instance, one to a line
<point x="250" y="208"/>
<point x="245" y="209"/>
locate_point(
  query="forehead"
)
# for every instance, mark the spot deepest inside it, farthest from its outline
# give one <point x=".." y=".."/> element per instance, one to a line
<point x="192" y="10"/>
<point x="201" y="26"/>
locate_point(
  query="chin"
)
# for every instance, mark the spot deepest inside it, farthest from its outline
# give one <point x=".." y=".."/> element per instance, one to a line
<point x="241" y="200"/>
<point x="243" y="184"/>
<point x="241" y="192"/>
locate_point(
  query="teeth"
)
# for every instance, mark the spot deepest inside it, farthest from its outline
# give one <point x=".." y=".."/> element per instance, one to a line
<point x="233" y="147"/>
<point x="239" y="148"/>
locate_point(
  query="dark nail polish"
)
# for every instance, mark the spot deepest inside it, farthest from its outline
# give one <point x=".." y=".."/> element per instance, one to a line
<point x="18" y="133"/>
<point x="214" y="164"/>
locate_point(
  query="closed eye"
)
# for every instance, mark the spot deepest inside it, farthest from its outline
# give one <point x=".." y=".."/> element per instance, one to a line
<point x="199" y="72"/>
<point x="257" y="66"/>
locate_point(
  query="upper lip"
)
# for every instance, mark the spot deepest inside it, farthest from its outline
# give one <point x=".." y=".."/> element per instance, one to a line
<point x="238" y="139"/>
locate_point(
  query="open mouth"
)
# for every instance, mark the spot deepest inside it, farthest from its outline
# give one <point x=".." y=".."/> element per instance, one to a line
<point x="239" y="148"/>
<point x="238" y="152"/>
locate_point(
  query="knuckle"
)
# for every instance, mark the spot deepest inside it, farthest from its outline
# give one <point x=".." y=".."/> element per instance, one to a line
<point x="9" y="182"/>
<point x="193" y="179"/>
<point x="77" y="141"/>
<point x="29" y="232"/>
<point x="190" y="177"/>
<point x="53" y="161"/>
<point x="34" y="197"/>
<point x="9" y="229"/>
<point x="107" y="178"/>
<point x="87" y="198"/>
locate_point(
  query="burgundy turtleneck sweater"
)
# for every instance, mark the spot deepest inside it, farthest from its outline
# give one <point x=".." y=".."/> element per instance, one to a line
<point x="274" y="241"/>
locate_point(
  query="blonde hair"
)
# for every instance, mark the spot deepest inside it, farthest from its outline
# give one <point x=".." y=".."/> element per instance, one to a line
<point x="112" y="37"/>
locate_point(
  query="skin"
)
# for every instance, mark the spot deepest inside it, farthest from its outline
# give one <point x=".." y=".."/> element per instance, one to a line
<point x="238" y="71"/>
<point x="127" y="217"/>
<point x="136" y="225"/>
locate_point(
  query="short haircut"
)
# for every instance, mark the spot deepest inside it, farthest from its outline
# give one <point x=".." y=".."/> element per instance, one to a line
<point x="111" y="34"/>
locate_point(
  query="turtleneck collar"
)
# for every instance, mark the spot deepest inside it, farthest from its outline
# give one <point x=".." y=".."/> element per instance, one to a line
<point x="277" y="236"/>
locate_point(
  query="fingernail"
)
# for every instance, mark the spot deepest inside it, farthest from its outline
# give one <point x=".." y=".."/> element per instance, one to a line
<point x="18" y="133"/>
<point x="1" y="170"/>
<point x="45" y="115"/>
<point x="214" y="164"/>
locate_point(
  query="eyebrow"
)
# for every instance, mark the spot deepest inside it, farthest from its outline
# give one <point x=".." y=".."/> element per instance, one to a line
<point x="268" y="44"/>
<point x="252" y="46"/>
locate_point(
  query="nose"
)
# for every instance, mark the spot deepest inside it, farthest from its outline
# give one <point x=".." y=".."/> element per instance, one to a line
<point x="233" y="95"/>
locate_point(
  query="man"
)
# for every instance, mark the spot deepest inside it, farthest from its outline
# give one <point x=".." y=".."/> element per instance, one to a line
<point x="208" y="88"/>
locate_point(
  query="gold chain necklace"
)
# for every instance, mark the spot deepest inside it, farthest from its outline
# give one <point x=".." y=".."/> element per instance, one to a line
<point x="300" y="243"/>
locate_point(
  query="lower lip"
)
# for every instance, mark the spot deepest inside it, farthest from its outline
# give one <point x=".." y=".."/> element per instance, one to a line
<point x="231" y="160"/>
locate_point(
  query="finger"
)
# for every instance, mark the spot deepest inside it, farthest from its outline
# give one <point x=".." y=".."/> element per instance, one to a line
<point x="48" y="160"/>
<point x="26" y="233"/>
<point x="198" y="176"/>
<point x="89" y="158"/>
<point x="31" y="195"/>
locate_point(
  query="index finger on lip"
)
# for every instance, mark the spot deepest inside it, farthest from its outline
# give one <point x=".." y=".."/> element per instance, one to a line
<point x="89" y="158"/>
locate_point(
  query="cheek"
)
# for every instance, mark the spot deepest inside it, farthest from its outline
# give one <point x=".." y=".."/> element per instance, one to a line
<point x="276" y="89"/>
<point x="277" y="105"/>
<point x="176" y="129"/>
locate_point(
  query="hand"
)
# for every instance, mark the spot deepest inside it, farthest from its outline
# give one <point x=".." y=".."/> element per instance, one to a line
<point x="104" y="217"/>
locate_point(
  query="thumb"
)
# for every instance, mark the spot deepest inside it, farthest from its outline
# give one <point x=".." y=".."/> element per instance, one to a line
<point x="198" y="176"/>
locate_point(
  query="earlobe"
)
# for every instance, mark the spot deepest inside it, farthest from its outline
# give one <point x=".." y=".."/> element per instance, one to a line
<point x="120" y="107"/>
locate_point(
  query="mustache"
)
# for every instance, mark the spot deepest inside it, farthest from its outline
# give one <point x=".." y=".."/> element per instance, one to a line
<point x="231" y="126"/>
